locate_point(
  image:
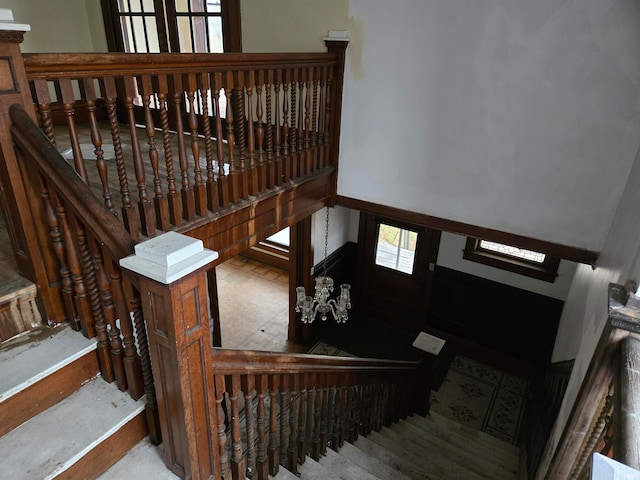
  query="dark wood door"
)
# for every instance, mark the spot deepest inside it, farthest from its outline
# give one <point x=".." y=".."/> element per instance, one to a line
<point x="396" y="265"/>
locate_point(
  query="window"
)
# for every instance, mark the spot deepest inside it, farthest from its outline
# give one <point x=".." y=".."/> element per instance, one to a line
<point x="396" y="248"/>
<point x="514" y="259"/>
<point x="187" y="26"/>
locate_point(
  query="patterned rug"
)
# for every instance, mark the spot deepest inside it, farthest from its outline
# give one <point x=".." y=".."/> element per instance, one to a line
<point x="321" y="348"/>
<point x="482" y="397"/>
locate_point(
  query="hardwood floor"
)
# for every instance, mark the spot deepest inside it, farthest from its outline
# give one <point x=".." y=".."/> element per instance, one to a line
<point x="254" y="303"/>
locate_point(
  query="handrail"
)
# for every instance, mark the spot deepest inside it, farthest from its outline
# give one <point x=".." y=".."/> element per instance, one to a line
<point x="71" y="187"/>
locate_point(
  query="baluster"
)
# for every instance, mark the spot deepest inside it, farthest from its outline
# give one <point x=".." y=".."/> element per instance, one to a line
<point x="65" y="92"/>
<point x="144" y="206"/>
<point x="43" y="100"/>
<point x="312" y="392"/>
<point x="188" y="201"/>
<point x="319" y="416"/>
<point x="327" y="122"/>
<point x="293" y="126"/>
<point x="279" y="169"/>
<point x="199" y="190"/>
<point x="173" y="199"/>
<point x="274" y="458"/>
<point x="222" y="436"/>
<point x="252" y="173"/>
<point x="128" y="213"/>
<point x="342" y="417"/>
<point x="292" y="450"/>
<point x="300" y="157"/>
<point x="271" y="171"/>
<point x="58" y="248"/>
<point x="160" y="203"/>
<point x="90" y="96"/>
<point x="262" y="167"/>
<point x="234" y="182"/>
<point x="331" y="415"/>
<point x="284" y="417"/>
<point x="322" y="121"/>
<point x="301" y="446"/>
<point x="105" y="311"/>
<point x="238" y="466"/>
<point x="241" y="133"/>
<point x="75" y="267"/>
<point x="249" y="389"/>
<point x="351" y="413"/>
<point x="314" y="123"/>
<point x="213" y="201"/>
<point x="262" y="463"/>
<point x="132" y="361"/>
<point x="223" y="184"/>
<point x="308" y="159"/>
<point x="286" y="158"/>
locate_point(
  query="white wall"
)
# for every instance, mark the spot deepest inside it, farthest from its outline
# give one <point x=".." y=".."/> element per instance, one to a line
<point x="515" y="115"/>
<point x="343" y="228"/>
<point x="585" y="311"/>
<point x="60" y="25"/>
<point x="450" y="256"/>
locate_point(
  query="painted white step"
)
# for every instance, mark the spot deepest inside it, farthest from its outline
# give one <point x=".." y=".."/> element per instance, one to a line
<point x="344" y="468"/>
<point x="34" y="355"/>
<point x="487" y="457"/>
<point x="371" y="464"/>
<point x="55" y="440"/>
<point x="145" y="460"/>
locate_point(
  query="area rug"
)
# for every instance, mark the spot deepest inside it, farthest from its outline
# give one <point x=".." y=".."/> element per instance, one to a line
<point x="322" y="348"/>
<point x="482" y="398"/>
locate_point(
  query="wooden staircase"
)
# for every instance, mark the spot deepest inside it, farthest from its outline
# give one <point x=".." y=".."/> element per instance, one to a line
<point x="59" y="419"/>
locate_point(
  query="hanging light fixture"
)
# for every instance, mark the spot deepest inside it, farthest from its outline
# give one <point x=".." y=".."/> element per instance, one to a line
<point x="320" y="303"/>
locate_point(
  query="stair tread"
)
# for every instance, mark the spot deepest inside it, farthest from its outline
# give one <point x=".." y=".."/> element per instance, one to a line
<point x="434" y="440"/>
<point x="312" y="470"/>
<point x="435" y="420"/>
<point x="33" y="355"/>
<point x="371" y="463"/>
<point x="393" y="460"/>
<point x="441" y="465"/>
<point x="145" y="460"/>
<point x="346" y="469"/>
<point x="55" y="439"/>
<point x="414" y="444"/>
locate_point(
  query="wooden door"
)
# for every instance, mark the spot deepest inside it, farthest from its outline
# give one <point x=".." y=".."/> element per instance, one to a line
<point x="396" y="265"/>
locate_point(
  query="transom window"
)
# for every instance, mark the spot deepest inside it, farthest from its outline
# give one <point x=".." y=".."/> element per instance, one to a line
<point x="514" y="259"/>
<point x="396" y="248"/>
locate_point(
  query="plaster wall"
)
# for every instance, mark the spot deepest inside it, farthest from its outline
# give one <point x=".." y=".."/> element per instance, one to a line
<point x="60" y="25"/>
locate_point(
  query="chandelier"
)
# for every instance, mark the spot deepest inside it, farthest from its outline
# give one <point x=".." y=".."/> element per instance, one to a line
<point x="320" y="303"/>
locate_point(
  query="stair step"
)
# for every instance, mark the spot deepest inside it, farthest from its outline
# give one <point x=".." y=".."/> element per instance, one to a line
<point x="450" y="427"/>
<point x="145" y="460"/>
<point x="415" y="443"/>
<point x="345" y="468"/>
<point x="79" y="437"/>
<point x="371" y="464"/>
<point x="40" y="368"/>
<point x="441" y="466"/>
<point x="432" y="440"/>
<point x="312" y="470"/>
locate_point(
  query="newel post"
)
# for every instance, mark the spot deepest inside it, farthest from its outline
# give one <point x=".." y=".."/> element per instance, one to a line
<point x="171" y="274"/>
<point x="20" y="203"/>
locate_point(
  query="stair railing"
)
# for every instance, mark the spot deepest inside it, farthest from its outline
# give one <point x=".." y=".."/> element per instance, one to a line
<point x="605" y="417"/>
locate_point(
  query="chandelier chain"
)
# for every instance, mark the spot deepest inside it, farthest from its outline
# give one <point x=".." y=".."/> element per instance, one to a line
<point x="326" y="243"/>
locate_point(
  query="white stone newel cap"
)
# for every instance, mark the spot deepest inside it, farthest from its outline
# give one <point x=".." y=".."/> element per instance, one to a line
<point x="7" y="23"/>
<point x="429" y="343"/>
<point x="339" y="35"/>
<point x="168" y="257"/>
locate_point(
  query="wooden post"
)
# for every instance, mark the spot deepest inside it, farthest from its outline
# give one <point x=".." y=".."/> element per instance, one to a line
<point x="429" y="348"/>
<point x="627" y="448"/>
<point x="171" y="273"/>
<point x="21" y="202"/>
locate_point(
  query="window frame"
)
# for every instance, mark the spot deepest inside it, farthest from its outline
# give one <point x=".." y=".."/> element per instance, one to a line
<point x="166" y="23"/>
<point x="546" y="271"/>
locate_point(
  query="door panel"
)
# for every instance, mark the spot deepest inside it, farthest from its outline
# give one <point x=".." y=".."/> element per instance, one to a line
<point x="396" y="264"/>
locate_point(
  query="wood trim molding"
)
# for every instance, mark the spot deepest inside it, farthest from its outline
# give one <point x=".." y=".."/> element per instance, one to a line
<point x="565" y="252"/>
